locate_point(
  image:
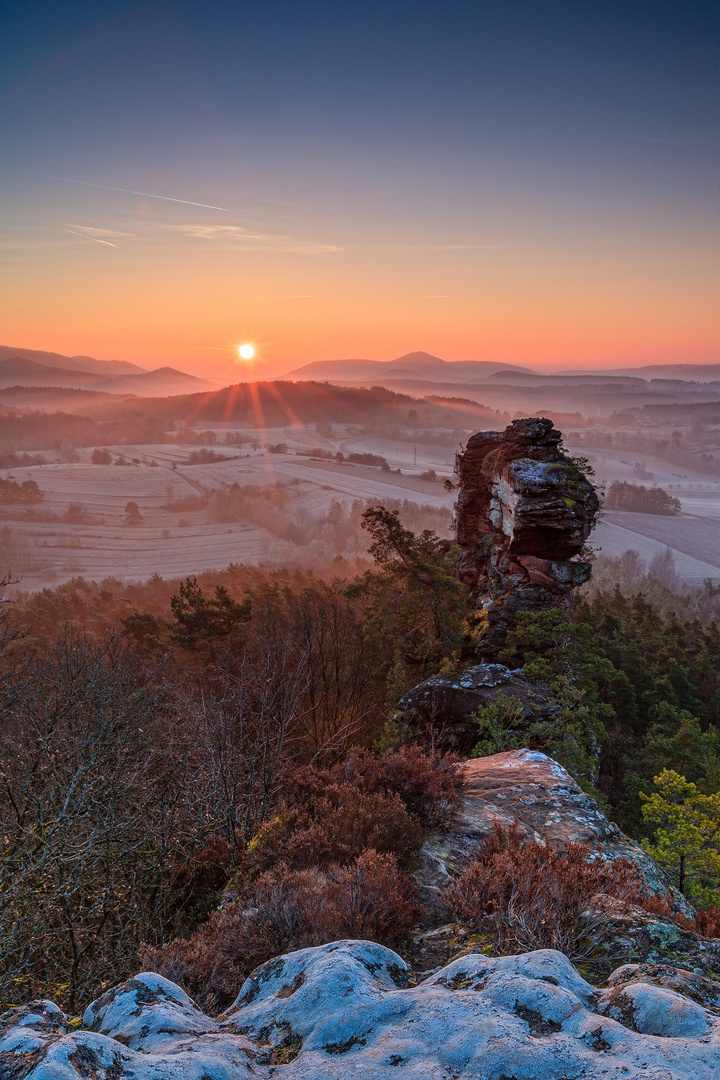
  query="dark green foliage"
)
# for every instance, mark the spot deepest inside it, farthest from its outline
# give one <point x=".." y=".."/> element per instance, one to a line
<point x="413" y="606"/>
<point x="640" y="692"/>
<point x="25" y="491"/>
<point x="642" y="500"/>
<point x="199" y="619"/>
<point x="661" y="677"/>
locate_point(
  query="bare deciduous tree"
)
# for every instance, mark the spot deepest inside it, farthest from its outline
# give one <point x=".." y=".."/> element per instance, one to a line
<point x="93" y="817"/>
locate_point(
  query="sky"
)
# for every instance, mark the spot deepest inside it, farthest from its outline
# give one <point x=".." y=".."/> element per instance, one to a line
<point x="536" y="183"/>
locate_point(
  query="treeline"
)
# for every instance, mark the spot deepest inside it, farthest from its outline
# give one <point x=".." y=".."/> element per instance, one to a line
<point x="643" y="500"/>
<point x="50" y="431"/>
<point x="279" y="403"/>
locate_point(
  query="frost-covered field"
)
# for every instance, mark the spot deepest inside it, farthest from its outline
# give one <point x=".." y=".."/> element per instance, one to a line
<point x="80" y="527"/>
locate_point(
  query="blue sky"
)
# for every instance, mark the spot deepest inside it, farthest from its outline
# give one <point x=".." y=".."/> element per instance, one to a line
<point x="496" y="154"/>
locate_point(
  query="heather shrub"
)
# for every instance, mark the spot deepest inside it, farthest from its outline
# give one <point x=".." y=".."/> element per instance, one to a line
<point x="708" y="922"/>
<point x="429" y="783"/>
<point x="288" y="909"/>
<point x="386" y="803"/>
<point x="321" y="823"/>
<point x="531" y="896"/>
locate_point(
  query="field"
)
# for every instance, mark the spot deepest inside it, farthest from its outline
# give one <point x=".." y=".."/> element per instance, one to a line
<point x="693" y="536"/>
<point x="81" y="527"/>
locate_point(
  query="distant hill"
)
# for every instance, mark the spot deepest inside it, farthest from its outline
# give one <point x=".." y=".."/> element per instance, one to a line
<point x="694" y="372"/>
<point x="18" y="371"/>
<point x="419" y="365"/>
<point x="415" y="358"/>
<point x="73" y="363"/>
<point x="280" y="402"/>
<point x="21" y="372"/>
<point x="51" y="398"/>
<point x="162" y="382"/>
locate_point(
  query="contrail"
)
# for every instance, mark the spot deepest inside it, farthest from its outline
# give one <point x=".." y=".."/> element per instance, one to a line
<point x="126" y="191"/>
<point x="86" y="237"/>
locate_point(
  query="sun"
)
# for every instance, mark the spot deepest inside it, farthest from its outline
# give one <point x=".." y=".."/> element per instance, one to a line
<point x="246" y="352"/>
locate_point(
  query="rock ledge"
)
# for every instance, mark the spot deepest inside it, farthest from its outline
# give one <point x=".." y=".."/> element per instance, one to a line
<point x="346" y="1009"/>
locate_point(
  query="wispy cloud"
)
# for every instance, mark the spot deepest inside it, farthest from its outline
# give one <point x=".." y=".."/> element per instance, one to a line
<point x="126" y="191"/>
<point x="413" y="248"/>
<point x="103" y="234"/>
<point x="94" y="238"/>
<point x="100" y="236"/>
<point x="237" y="236"/>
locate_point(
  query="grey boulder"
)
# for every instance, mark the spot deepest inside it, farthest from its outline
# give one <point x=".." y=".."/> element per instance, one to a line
<point x="347" y="1009"/>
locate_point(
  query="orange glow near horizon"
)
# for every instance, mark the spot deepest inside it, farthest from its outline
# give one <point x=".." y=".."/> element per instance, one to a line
<point x="161" y="298"/>
<point x="362" y="191"/>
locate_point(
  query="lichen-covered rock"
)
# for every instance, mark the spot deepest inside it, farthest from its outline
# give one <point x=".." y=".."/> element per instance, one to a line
<point x="524" y="512"/>
<point x="345" y="1010"/>
<point x="657" y="942"/>
<point x="446" y="703"/>
<point x="148" y="1012"/>
<point x="689" y="984"/>
<point x="528" y="789"/>
<point x="145" y="1029"/>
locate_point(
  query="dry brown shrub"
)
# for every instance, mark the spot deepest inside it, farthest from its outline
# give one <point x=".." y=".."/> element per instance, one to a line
<point x="429" y="783"/>
<point x="708" y="922"/>
<point x="288" y="909"/>
<point x="532" y="896"/>
<point x="327" y="823"/>
<point x="371" y="900"/>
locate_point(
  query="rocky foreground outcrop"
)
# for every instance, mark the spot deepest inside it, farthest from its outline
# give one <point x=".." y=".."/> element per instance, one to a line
<point x="528" y="790"/>
<point x="346" y="1010"/>
<point x="525" y="509"/>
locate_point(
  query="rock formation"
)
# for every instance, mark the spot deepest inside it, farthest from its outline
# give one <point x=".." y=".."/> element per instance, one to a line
<point x="445" y="704"/>
<point x="347" y="1010"/>
<point x="524" y="513"/>
<point x="531" y="791"/>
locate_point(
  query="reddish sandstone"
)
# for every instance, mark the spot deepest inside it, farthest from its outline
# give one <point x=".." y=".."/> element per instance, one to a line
<point x="525" y="511"/>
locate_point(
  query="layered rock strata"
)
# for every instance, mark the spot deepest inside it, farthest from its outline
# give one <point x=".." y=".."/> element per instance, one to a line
<point x="525" y="510"/>
<point x="347" y="1010"/>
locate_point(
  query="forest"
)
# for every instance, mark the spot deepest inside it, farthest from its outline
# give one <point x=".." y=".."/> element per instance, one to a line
<point x="177" y="754"/>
